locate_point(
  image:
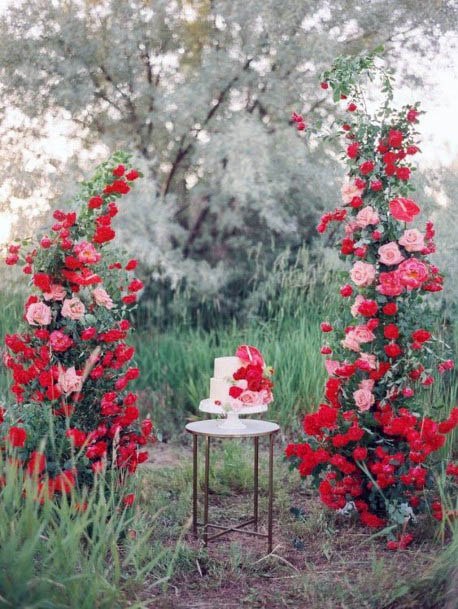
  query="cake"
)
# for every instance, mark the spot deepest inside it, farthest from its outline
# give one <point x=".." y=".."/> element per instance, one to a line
<point x="241" y="382"/>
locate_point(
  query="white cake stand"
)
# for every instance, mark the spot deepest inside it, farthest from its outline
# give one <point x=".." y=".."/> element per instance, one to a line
<point x="232" y="420"/>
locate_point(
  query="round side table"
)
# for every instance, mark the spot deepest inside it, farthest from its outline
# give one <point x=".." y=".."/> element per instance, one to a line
<point x="212" y="429"/>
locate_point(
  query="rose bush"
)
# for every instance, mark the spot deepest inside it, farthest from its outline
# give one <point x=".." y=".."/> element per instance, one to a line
<point x="71" y="367"/>
<point x="368" y="447"/>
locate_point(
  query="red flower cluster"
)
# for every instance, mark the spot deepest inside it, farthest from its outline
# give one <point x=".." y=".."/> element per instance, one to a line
<point x="72" y="356"/>
<point x="365" y="449"/>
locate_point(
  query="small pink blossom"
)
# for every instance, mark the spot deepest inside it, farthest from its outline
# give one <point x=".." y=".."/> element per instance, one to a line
<point x="370" y="359"/>
<point x="413" y="240"/>
<point x="355" y="306"/>
<point x="73" y="308"/>
<point x="350" y="342"/>
<point x="57" y="292"/>
<point x="363" y="399"/>
<point x="350" y="228"/>
<point x="349" y="190"/>
<point x="102" y="298"/>
<point x="362" y="274"/>
<point x="86" y="253"/>
<point x="331" y="366"/>
<point x="69" y="381"/>
<point x="367" y="384"/>
<point x="38" y="314"/>
<point x="366" y="216"/>
<point x="390" y="254"/>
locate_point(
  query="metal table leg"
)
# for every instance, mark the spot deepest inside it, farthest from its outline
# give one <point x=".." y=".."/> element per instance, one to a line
<point x="271" y="493"/>
<point x="256" y="482"/>
<point x="194" y="485"/>
<point x="207" y="468"/>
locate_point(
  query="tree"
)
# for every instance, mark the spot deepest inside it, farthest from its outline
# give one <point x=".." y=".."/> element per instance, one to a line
<point x="201" y="92"/>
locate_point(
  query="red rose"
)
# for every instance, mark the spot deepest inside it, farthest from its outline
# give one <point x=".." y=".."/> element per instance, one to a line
<point x="376" y="185"/>
<point x="36" y="464"/>
<point x="347" y="246"/>
<point x="135" y="285"/>
<point x="391" y="331"/>
<point x="390" y="308"/>
<point x="146" y="427"/>
<point x="353" y="150"/>
<point x="326" y="350"/>
<point x="421" y="336"/>
<point x="346" y="290"/>
<point x="324" y="85"/>
<point x="129" y="299"/>
<point x="390" y="170"/>
<point x="352" y="107"/>
<point x="412" y="115"/>
<point x="403" y="209"/>
<point x="366" y="167"/>
<point x="17" y="436"/>
<point x="395" y="138"/>
<point x="360" y="453"/>
<point x="95" y="202"/>
<point x="88" y="333"/>
<point x="368" y="308"/>
<point x="129" y="499"/>
<point x="131" y="265"/>
<point x="104" y="234"/>
<point x="42" y="281"/>
<point x="356" y="202"/>
<point x="235" y="392"/>
<point x="403" y="173"/>
<point x="45" y="242"/>
<point x="326" y="327"/>
<point x="392" y="350"/>
<point x="119" y="171"/>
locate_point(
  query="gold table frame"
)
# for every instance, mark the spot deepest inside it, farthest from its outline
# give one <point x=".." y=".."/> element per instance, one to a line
<point x="212" y="429"/>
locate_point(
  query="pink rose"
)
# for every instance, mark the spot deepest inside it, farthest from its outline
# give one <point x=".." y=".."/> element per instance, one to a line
<point x="362" y="273"/>
<point x="390" y="284"/>
<point x="363" y="399"/>
<point x="266" y="397"/>
<point x="367" y="384"/>
<point x="362" y="334"/>
<point x="412" y="273"/>
<point x="331" y="366"/>
<point x="351" y="343"/>
<point x="370" y="359"/>
<point x="73" y="308"/>
<point x="367" y="215"/>
<point x="350" y="228"/>
<point x="38" y="314"/>
<point x="390" y="253"/>
<point x="69" y="381"/>
<point x="355" y="306"/>
<point x="102" y="298"/>
<point x="86" y="253"/>
<point x="57" y="292"/>
<point x="412" y="240"/>
<point x="350" y="190"/>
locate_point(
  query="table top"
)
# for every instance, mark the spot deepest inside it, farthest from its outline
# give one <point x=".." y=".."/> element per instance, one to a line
<point x="212" y="427"/>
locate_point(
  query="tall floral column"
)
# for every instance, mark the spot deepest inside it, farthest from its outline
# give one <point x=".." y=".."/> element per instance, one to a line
<point x="369" y="447"/>
<point x="71" y="367"/>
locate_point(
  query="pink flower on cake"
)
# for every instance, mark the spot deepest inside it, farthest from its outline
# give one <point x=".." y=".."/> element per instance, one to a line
<point x="364" y="399"/>
<point x="367" y="216"/>
<point x="69" y="381"/>
<point x="349" y="190"/>
<point x="57" y="292"/>
<point x="249" y="398"/>
<point x="390" y="284"/>
<point x="412" y="240"/>
<point x="390" y="253"/>
<point x="250" y="354"/>
<point x="86" y="253"/>
<point x="102" y="298"/>
<point x="38" y="314"/>
<point x="362" y="274"/>
<point x="73" y="308"/>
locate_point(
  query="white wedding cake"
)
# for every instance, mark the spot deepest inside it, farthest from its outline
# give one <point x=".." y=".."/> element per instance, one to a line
<point x="240" y="385"/>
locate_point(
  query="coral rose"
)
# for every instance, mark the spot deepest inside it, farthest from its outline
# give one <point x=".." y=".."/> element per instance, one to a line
<point x="390" y="254"/>
<point x="38" y="314"/>
<point x="367" y="216"/>
<point x="412" y="240"/>
<point x="73" y="308"/>
<point x="362" y="274"/>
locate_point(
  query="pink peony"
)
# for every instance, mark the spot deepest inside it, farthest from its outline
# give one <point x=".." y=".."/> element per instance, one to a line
<point x="102" y="298"/>
<point x="363" y="399"/>
<point x="73" y="308"/>
<point x="390" y="284"/>
<point x="350" y="190"/>
<point x="38" y="314"/>
<point x="412" y="273"/>
<point x="57" y="292"/>
<point x="86" y="253"/>
<point x="390" y="254"/>
<point x="412" y="240"/>
<point x="362" y="273"/>
<point x="69" y="381"/>
<point x="367" y="215"/>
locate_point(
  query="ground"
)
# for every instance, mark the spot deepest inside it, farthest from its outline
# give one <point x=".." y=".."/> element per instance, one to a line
<point x="319" y="561"/>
